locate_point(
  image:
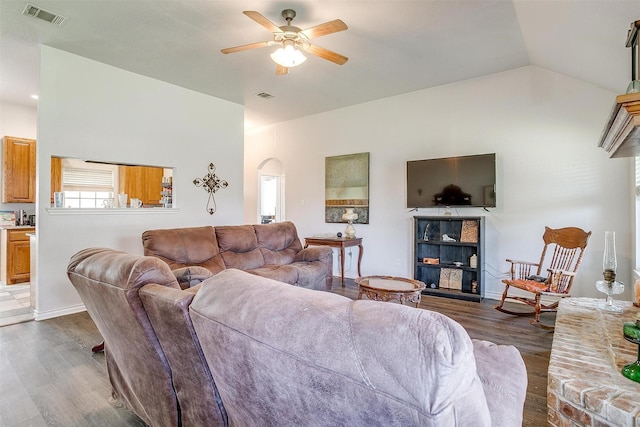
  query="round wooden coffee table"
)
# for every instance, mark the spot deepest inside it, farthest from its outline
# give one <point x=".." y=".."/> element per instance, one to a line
<point x="387" y="288"/>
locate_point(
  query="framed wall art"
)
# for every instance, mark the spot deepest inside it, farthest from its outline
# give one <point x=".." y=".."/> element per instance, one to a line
<point x="347" y="186"/>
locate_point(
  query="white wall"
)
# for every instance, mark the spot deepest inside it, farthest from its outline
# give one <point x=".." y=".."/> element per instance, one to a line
<point x="544" y="128"/>
<point x="19" y="121"/>
<point x="93" y="111"/>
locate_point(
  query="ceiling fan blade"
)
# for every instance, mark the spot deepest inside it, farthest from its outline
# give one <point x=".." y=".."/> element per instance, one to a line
<point x="324" y="29"/>
<point x="280" y="70"/>
<point x="327" y="54"/>
<point x="245" y="47"/>
<point x="257" y="16"/>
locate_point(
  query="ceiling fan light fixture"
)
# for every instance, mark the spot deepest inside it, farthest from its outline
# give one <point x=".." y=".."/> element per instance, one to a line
<point x="288" y="55"/>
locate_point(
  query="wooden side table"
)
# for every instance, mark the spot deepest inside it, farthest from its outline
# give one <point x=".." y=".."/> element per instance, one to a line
<point x="338" y="242"/>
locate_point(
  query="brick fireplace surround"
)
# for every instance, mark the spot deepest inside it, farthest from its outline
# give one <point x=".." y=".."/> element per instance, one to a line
<point x="585" y="386"/>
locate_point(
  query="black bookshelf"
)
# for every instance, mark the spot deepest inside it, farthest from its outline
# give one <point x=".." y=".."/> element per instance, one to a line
<point x="439" y="243"/>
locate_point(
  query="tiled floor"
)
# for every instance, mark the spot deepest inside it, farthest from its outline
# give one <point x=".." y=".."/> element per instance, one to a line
<point x="15" y="304"/>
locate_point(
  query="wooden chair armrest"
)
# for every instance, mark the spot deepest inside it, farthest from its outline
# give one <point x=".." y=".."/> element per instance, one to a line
<point x="522" y="269"/>
<point x="515" y="261"/>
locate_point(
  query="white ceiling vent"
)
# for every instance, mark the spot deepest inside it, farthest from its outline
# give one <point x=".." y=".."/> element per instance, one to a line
<point x="45" y="15"/>
<point x="264" y="95"/>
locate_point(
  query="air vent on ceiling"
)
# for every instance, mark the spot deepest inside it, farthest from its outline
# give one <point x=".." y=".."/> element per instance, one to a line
<point x="45" y="15"/>
<point x="264" y="95"/>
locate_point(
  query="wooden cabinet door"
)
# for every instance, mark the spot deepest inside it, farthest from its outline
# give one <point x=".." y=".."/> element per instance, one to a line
<point x="142" y="182"/>
<point x="18" y="256"/>
<point x="153" y="188"/>
<point x="19" y="262"/>
<point x="56" y="176"/>
<point x="18" y="170"/>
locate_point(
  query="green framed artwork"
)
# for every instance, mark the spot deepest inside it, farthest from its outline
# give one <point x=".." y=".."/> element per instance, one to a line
<point x="347" y="186"/>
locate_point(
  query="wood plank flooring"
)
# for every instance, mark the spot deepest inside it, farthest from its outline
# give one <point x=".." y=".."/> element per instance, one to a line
<point x="49" y="377"/>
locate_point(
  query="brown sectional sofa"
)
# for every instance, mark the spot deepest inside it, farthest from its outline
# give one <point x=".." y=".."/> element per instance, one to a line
<point x="267" y="250"/>
<point x="166" y="384"/>
<point x="247" y="350"/>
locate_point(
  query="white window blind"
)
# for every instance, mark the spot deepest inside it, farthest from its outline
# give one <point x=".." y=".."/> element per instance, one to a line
<point x="87" y="179"/>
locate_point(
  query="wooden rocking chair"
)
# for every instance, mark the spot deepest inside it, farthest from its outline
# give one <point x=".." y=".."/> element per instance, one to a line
<point x="549" y="278"/>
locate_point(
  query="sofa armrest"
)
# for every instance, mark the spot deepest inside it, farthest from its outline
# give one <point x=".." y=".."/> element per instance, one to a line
<point x="504" y="378"/>
<point x="168" y="311"/>
<point x="191" y="276"/>
<point x="314" y="253"/>
<point x="323" y="254"/>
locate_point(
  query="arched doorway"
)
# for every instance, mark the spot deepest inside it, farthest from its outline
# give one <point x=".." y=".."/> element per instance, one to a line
<point x="270" y="191"/>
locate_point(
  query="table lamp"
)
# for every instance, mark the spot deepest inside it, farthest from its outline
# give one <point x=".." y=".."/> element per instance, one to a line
<point x="349" y="216"/>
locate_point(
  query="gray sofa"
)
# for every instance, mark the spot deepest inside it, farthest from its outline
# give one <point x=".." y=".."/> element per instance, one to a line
<point x="267" y="250"/>
<point x="248" y="350"/>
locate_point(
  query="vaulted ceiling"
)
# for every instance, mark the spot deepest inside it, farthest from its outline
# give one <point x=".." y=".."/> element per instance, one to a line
<point x="393" y="46"/>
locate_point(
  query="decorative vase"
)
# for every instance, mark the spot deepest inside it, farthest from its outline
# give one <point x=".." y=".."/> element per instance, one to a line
<point x="349" y="216"/>
<point x="631" y="332"/>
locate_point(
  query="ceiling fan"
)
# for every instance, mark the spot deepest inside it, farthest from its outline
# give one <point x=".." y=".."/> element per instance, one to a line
<point x="292" y="41"/>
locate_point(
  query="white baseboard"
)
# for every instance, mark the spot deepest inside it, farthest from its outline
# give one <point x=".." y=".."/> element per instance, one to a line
<point x="44" y="315"/>
<point x="493" y="295"/>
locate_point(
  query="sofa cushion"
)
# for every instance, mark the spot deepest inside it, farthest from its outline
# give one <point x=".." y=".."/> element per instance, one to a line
<point x="505" y="393"/>
<point x="245" y="247"/>
<point x="191" y="276"/>
<point x="284" y="355"/>
<point x="239" y="247"/>
<point x="184" y="247"/>
<point x="283" y="273"/>
<point x="279" y="242"/>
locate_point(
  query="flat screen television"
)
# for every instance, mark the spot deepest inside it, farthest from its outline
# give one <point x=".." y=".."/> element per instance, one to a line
<point x="464" y="181"/>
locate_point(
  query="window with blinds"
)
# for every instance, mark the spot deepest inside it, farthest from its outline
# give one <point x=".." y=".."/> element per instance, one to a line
<point x="88" y="185"/>
<point x="87" y="179"/>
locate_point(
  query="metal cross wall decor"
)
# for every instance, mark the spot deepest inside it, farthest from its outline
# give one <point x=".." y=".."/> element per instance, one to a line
<point x="211" y="183"/>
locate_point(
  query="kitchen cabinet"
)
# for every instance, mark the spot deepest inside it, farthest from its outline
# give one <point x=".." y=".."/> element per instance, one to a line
<point x="142" y="182"/>
<point x="15" y="261"/>
<point x="18" y="170"/>
<point x="56" y="176"/>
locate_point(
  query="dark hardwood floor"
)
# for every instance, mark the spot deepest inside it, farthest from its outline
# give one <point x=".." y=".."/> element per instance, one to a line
<point x="49" y="377"/>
